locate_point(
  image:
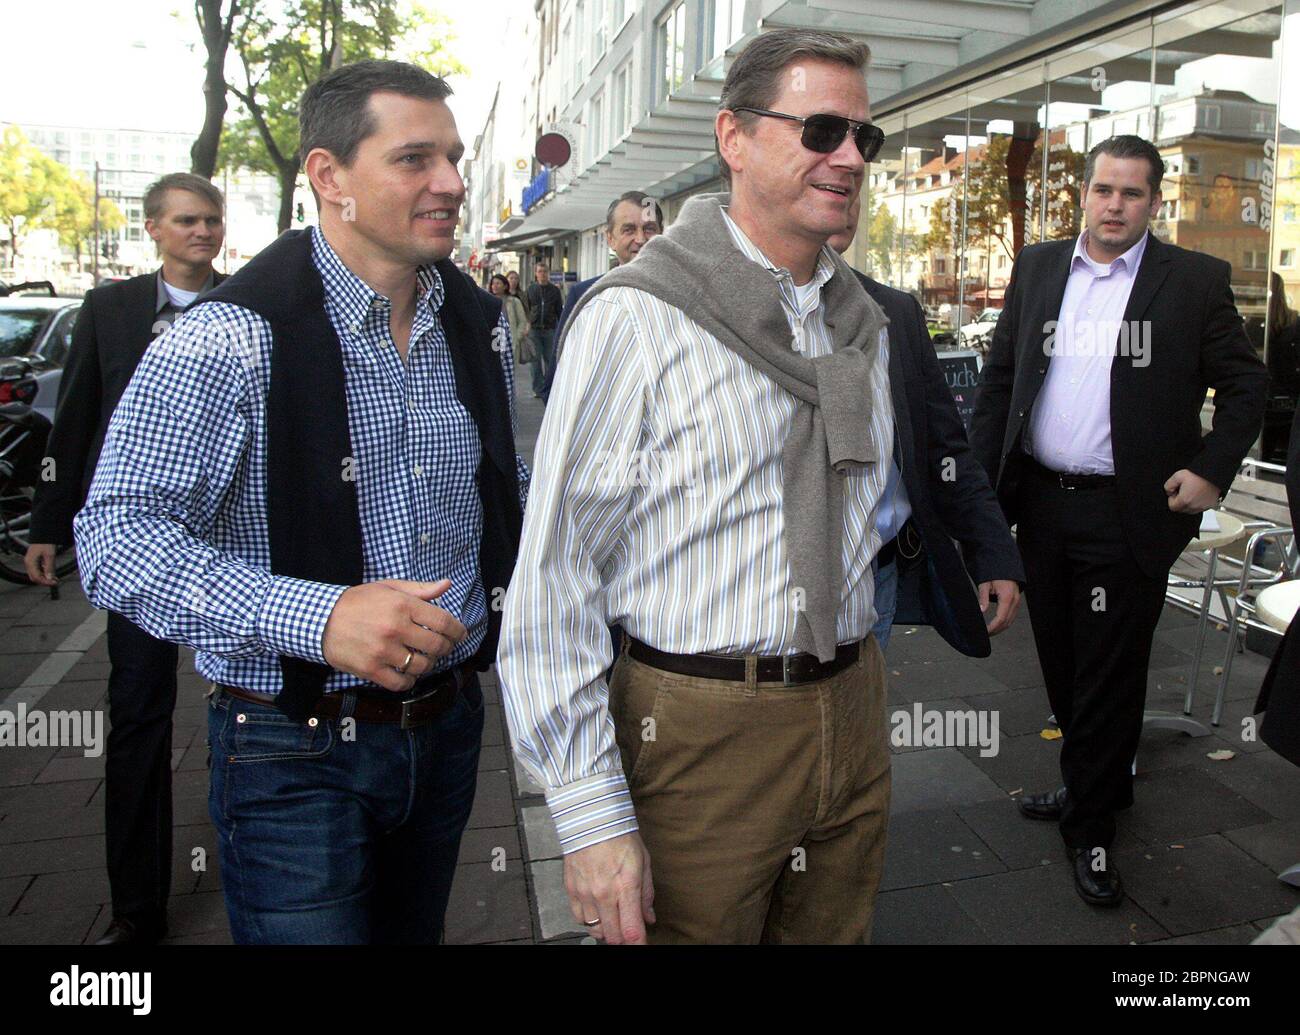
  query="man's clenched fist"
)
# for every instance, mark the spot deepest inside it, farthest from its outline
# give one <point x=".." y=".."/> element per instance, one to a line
<point x="373" y="628"/>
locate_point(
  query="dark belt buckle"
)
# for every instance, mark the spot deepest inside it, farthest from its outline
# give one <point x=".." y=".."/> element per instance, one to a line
<point x="406" y="721"/>
<point x="791" y="664"/>
<point x="1061" y="480"/>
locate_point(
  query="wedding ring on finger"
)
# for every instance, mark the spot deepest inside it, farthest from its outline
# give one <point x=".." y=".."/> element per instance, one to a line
<point x="591" y="923"/>
<point x="406" y="664"/>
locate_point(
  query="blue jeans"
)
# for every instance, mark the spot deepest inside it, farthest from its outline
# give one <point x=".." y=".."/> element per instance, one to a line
<point x="327" y="840"/>
<point x="543" y="365"/>
<point x="886" y="602"/>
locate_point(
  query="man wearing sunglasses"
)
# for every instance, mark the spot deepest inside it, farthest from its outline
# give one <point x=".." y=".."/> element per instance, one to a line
<point x="709" y="477"/>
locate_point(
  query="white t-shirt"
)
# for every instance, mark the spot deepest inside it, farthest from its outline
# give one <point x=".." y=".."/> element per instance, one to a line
<point x="180" y="298"/>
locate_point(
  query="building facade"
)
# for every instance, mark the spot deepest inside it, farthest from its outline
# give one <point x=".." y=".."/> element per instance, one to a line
<point x="989" y="109"/>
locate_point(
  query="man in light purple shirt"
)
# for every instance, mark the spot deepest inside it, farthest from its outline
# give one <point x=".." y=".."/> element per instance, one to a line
<point x="1088" y="421"/>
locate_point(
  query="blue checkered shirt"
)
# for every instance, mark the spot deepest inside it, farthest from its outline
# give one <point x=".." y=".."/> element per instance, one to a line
<point x="174" y="531"/>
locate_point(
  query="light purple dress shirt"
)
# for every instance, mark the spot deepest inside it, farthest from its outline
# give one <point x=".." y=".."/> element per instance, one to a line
<point x="1069" y="426"/>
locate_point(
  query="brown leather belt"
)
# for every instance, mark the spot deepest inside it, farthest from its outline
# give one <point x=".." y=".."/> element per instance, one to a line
<point x="787" y="669"/>
<point x="434" y="696"/>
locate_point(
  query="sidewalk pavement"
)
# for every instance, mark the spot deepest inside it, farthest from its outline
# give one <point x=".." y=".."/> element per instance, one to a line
<point x="1199" y="852"/>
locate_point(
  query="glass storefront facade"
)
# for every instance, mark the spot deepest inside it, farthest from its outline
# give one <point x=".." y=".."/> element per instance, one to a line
<point x="970" y="177"/>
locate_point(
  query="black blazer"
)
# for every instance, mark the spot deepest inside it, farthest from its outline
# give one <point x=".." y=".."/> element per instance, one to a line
<point x="1197" y="342"/>
<point x="962" y="508"/>
<point x="114" y="326"/>
<point x="1279" y="697"/>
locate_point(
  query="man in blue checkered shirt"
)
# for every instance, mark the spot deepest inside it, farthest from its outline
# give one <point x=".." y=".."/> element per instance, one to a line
<point x="312" y="481"/>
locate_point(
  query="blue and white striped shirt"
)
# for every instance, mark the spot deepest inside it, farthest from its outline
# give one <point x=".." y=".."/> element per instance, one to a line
<point x="174" y="532"/>
<point x="658" y="506"/>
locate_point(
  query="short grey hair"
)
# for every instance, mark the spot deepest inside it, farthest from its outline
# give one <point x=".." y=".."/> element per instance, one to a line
<point x="638" y="197"/>
<point x="754" y="78"/>
<point x="156" y="193"/>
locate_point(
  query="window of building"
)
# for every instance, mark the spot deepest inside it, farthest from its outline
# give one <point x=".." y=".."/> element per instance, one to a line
<point x="1261" y="120"/>
<point x="670" y="49"/>
<point x="621" y="103"/>
<point x="1254" y="260"/>
<point x="940" y="266"/>
<point x="597" y="34"/>
<point x="1211" y="116"/>
<point x="723" y="22"/>
<point x="1254" y="168"/>
<point x="1288" y="213"/>
<point x="1169" y="210"/>
<point x="580" y="38"/>
<point x="1286" y="258"/>
<point x="596" y="127"/>
<point x="1192" y="165"/>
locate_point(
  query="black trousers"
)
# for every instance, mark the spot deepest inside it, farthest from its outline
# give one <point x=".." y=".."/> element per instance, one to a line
<point x="1094" y="615"/>
<point x="137" y="769"/>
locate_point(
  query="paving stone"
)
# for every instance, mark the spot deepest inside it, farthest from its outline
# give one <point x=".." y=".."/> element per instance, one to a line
<point x="77" y="768"/>
<point x="553" y="913"/>
<point x="1178" y="804"/>
<point x="35" y="639"/>
<point x="89" y="695"/>
<point x="902" y="725"/>
<point x="954" y="676"/>
<point x="923" y="916"/>
<point x="527" y="787"/>
<point x="197" y="914"/>
<point x="1275" y="845"/>
<point x="65" y="926"/>
<point x="1039" y="906"/>
<point x="938" y="777"/>
<point x="493" y="805"/>
<point x="14" y="668"/>
<point x="1020" y="842"/>
<point x="493" y="757"/>
<point x="1267" y="779"/>
<point x="54" y="822"/>
<point x="52" y="856"/>
<point x="40" y="797"/>
<point x="1019" y="711"/>
<point x="488" y="905"/>
<point x="539" y="833"/>
<point x="71" y="609"/>
<point x="84" y="670"/>
<point x="20" y="766"/>
<point x="59" y="890"/>
<point x="11" y="890"/>
<point x="493" y="725"/>
<point x="930" y="846"/>
<point x="481" y="844"/>
<point x="913" y="643"/>
<point x="1010" y="669"/>
<point x="1206" y="884"/>
<point x="1238" y="934"/>
<point x="1171" y="749"/>
<point x="1028" y="761"/>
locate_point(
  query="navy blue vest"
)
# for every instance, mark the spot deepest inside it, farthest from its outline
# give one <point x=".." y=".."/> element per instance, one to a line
<point x="313" y="521"/>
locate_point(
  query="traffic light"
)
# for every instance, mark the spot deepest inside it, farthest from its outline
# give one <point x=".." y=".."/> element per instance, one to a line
<point x="301" y="216"/>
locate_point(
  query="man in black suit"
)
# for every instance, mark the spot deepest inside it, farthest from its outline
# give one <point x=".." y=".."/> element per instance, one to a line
<point x="937" y="493"/>
<point x="1088" y="421"/>
<point x="184" y="216"/>
<point x="631" y="220"/>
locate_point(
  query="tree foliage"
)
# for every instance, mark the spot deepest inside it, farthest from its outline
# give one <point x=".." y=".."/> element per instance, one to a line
<point x="283" y="46"/>
<point x="39" y="193"/>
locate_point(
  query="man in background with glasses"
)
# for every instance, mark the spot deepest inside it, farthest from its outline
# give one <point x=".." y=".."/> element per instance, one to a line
<point x="709" y="478"/>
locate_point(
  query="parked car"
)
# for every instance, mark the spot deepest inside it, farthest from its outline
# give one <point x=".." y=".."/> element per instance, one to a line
<point x="40" y="329"/>
<point x="981" y="328"/>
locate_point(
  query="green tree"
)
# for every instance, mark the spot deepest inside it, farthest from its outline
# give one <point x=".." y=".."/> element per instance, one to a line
<point x="29" y="182"/>
<point x="282" y="48"/>
<point x="883" y="235"/>
<point x="73" y="214"/>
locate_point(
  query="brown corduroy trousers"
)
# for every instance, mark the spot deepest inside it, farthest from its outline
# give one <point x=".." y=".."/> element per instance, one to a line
<point x="764" y="807"/>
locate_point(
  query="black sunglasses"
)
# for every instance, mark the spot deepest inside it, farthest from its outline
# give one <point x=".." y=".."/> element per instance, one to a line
<point x="824" y="133"/>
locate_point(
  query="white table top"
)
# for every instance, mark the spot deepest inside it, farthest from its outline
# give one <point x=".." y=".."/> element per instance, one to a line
<point x="1277" y="605"/>
<point x="1231" y="528"/>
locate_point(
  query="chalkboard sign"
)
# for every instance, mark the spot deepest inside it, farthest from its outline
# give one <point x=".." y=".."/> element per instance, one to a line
<point x="961" y="369"/>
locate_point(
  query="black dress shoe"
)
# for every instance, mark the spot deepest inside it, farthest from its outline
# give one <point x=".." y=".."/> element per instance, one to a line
<point x="134" y="930"/>
<point x="1097" y="887"/>
<point x="1047" y="805"/>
